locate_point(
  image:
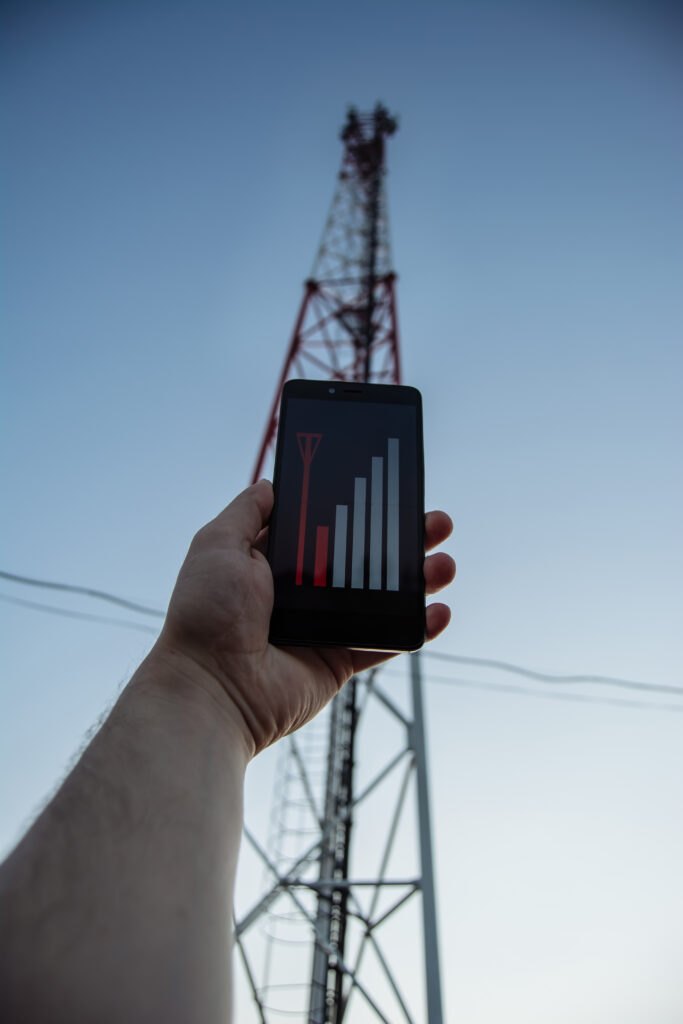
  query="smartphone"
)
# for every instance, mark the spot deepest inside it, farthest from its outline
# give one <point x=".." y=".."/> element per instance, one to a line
<point x="346" y="536"/>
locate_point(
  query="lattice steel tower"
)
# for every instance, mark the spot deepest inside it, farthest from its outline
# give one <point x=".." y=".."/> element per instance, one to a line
<point x="322" y="915"/>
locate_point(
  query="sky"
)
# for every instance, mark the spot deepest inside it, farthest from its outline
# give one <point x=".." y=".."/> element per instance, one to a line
<point x="165" y="178"/>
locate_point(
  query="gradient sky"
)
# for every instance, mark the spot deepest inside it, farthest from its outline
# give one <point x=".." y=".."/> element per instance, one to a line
<point x="166" y="173"/>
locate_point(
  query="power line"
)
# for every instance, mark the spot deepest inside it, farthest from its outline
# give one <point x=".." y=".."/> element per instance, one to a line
<point x="576" y="698"/>
<point x="546" y="677"/>
<point x="67" y="613"/>
<point x="490" y="663"/>
<point x="525" y="691"/>
<point x="71" y="588"/>
<point x="448" y="680"/>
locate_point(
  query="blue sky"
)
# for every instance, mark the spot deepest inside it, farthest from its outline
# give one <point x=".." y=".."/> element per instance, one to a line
<point x="165" y="179"/>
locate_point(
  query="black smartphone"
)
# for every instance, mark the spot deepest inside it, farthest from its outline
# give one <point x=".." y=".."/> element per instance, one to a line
<point x="346" y="537"/>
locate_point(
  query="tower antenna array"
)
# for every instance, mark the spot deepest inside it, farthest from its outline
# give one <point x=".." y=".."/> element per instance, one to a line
<point x="346" y="328"/>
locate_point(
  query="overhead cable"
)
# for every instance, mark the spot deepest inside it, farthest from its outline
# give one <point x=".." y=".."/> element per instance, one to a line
<point x="489" y="663"/>
<point x="70" y="614"/>
<point x="577" y="698"/>
<point x="525" y="691"/>
<point x="71" y="588"/>
<point x="546" y="677"/>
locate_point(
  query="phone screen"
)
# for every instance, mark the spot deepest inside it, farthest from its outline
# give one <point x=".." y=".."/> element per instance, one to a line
<point x="346" y="543"/>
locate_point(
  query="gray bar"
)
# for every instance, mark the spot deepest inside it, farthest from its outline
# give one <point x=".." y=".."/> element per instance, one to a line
<point x="339" y="562"/>
<point x="376" y="523"/>
<point x="358" y="543"/>
<point x="392" y="514"/>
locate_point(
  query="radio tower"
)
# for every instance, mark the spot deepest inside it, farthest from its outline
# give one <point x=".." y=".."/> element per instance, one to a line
<point x="323" y="914"/>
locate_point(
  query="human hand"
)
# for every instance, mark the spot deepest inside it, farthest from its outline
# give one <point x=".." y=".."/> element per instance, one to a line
<point x="217" y="625"/>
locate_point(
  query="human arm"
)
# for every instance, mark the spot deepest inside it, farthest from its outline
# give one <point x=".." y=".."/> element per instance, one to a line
<point x="116" y="904"/>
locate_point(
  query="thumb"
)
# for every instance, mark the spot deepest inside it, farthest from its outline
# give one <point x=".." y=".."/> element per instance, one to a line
<point x="248" y="513"/>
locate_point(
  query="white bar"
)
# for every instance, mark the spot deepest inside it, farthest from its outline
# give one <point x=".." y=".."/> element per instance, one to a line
<point x="392" y="514"/>
<point x="339" y="561"/>
<point x="358" y="543"/>
<point x="376" y="523"/>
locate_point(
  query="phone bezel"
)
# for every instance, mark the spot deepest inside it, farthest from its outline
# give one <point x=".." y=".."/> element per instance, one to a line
<point x="368" y="628"/>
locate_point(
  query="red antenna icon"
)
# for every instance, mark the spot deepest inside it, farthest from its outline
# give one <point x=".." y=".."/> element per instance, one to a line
<point x="308" y="446"/>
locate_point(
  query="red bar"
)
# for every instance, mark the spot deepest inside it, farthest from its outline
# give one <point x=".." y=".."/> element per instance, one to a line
<point x="302" y="520"/>
<point x="322" y="537"/>
<point x="307" y="450"/>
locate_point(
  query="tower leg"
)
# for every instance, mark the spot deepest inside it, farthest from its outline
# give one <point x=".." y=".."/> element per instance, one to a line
<point x="317" y="1011"/>
<point x="431" y="941"/>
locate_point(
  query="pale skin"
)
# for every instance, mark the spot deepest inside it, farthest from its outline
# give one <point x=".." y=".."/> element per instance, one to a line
<point x="116" y="905"/>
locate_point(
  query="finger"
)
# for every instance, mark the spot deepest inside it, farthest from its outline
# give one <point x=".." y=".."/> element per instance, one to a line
<point x="439" y="571"/>
<point x="438" y="526"/>
<point x="248" y="513"/>
<point x="438" y="617"/>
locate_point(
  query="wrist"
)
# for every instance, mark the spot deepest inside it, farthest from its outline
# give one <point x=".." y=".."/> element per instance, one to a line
<point x="169" y="678"/>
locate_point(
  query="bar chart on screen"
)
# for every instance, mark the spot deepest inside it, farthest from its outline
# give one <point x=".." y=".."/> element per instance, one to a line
<point x="373" y="540"/>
